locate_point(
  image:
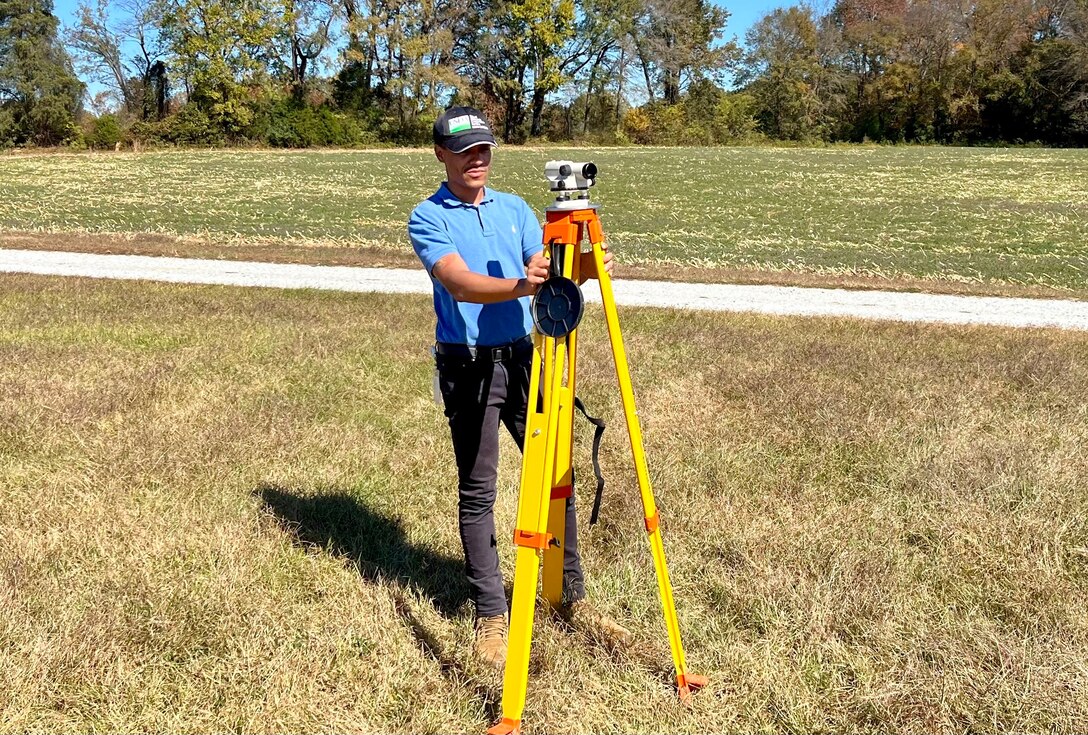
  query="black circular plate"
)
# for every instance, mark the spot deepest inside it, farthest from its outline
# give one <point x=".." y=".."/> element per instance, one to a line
<point x="558" y="307"/>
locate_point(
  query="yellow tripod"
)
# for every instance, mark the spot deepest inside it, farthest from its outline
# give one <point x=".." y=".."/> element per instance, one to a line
<point x="546" y="473"/>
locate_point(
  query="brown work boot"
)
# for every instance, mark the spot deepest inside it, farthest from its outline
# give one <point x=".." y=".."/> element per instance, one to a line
<point x="585" y="618"/>
<point x="490" y="646"/>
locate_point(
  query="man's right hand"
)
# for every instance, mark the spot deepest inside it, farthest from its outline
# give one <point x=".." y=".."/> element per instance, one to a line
<point x="537" y="270"/>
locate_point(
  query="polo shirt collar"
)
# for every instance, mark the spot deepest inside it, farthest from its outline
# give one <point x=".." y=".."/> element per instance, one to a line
<point x="450" y="199"/>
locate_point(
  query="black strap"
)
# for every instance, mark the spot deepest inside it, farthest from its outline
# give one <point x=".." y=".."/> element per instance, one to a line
<point x="598" y="433"/>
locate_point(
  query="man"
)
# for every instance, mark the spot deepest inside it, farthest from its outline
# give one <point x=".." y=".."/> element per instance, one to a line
<point x="483" y="251"/>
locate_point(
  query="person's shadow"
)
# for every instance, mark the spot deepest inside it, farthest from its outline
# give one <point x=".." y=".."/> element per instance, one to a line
<point x="376" y="543"/>
<point x="379" y="547"/>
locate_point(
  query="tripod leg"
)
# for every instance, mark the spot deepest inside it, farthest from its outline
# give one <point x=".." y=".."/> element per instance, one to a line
<point x="561" y="487"/>
<point x="685" y="682"/>
<point x="531" y="535"/>
<point x="562" y="481"/>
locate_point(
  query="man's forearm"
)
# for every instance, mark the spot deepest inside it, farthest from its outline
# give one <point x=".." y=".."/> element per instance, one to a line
<point x="476" y="288"/>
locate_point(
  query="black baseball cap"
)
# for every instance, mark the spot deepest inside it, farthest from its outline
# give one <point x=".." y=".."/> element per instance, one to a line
<point x="459" y="128"/>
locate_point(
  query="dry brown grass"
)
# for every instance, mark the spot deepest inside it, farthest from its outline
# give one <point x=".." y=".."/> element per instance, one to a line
<point x="229" y="509"/>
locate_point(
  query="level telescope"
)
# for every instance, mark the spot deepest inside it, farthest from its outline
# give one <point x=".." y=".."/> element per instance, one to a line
<point x="571" y="181"/>
<point x="566" y="175"/>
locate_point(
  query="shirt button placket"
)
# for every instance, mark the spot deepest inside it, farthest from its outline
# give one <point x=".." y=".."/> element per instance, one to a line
<point x="484" y="222"/>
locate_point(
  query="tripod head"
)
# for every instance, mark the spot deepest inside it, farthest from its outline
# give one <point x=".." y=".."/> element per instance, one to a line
<point x="558" y="304"/>
<point x="569" y="177"/>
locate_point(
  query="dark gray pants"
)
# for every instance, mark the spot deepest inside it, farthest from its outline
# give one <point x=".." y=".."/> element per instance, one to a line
<point x="478" y="395"/>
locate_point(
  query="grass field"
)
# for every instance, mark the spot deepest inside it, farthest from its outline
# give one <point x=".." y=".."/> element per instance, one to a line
<point x="932" y="218"/>
<point x="233" y="510"/>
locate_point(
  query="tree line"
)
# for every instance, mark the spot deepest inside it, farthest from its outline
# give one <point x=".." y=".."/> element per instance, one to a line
<point x="357" y="72"/>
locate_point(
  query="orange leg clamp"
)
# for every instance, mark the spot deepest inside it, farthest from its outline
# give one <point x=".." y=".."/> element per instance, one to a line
<point x="506" y="727"/>
<point x="653" y="522"/>
<point x="534" y="540"/>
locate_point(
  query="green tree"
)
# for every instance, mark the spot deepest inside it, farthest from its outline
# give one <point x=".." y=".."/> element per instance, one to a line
<point x="677" y="42"/>
<point x="514" y="47"/>
<point x="222" y="48"/>
<point x="306" y="34"/>
<point x="548" y="25"/>
<point x="39" y="93"/>
<point x="495" y="69"/>
<point x="97" y="38"/>
<point x="417" y="39"/>
<point x="399" y="63"/>
<point x="715" y="117"/>
<point x="1056" y="72"/>
<point x="603" y="48"/>
<point x="784" y="74"/>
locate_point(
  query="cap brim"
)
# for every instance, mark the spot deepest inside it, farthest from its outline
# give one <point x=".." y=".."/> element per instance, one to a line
<point x="460" y="145"/>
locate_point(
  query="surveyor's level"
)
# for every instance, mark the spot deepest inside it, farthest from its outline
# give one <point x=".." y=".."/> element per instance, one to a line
<point x="546" y="472"/>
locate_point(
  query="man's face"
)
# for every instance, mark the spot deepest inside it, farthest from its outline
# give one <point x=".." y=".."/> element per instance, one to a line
<point x="468" y="168"/>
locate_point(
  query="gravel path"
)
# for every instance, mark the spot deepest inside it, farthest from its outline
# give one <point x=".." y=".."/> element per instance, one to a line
<point x="711" y="297"/>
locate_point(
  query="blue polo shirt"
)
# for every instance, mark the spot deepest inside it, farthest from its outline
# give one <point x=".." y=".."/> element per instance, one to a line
<point x="495" y="238"/>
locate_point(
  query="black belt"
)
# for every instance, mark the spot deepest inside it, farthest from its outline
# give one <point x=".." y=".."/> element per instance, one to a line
<point x="499" y="353"/>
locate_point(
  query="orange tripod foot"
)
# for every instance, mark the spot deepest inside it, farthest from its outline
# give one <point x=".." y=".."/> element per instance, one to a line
<point x="688" y="684"/>
<point x="506" y="727"/>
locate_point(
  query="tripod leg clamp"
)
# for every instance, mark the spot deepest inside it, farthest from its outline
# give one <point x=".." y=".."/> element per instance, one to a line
<point x="534" y="540"/>
<point x="653" y="522"/>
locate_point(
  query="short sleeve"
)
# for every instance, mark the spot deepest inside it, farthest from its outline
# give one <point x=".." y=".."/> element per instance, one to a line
<point x="532" y="236"/>
<point x="430" y="239"/>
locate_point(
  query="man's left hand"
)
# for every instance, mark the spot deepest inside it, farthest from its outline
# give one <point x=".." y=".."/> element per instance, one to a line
<point x="588" y="264"/>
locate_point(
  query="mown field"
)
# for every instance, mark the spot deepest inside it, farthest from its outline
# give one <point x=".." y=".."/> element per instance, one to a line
<point x="927" y="218"/>
<point x="233" y="510"/>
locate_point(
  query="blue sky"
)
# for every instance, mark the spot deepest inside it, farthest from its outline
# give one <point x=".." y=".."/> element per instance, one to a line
<point x="741" y="14"/>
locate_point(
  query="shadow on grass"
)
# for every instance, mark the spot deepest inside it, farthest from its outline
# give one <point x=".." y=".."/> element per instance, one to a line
<point x="377" y="544"/>
<point x="337" y="522"/>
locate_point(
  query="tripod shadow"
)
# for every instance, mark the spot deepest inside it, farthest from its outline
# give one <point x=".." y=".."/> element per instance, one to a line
<point x="379" y="547"/>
